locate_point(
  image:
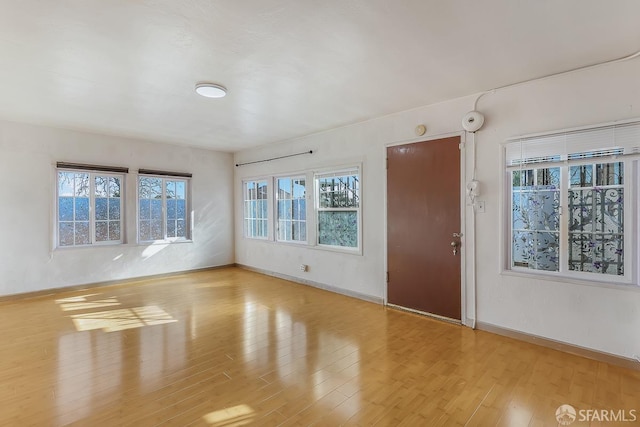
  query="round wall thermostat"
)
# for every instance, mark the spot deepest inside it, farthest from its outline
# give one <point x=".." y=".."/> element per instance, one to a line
<point x="421" y="130"/>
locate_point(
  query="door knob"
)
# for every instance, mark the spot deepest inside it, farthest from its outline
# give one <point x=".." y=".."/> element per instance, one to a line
<point x="454" y="245"/>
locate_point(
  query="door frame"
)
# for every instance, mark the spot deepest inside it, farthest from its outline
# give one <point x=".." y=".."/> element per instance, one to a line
<point x="468" y="231"/>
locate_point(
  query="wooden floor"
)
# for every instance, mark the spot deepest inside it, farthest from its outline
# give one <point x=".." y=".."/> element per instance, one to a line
<point x="230" y="347"/>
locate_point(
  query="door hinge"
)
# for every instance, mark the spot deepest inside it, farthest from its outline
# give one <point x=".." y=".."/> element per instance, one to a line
<point x="387" y="163"/>
<point x="387" y="277"/>
<point x="461" y="146"/>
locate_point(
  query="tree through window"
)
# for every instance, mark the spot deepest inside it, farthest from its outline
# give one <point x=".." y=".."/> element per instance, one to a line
<point x="89" y="208"/>
<point x="162" y="209"/>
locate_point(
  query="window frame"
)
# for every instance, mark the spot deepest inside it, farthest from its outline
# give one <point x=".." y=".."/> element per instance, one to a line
<point x="267" y="220"/>
<point x="630" y="225"/>
<point x="276" y="220"/>
<point x="339" y="171"/>
<point x="568" y="153"/>
<point x="93" y="173"/>
<point x="188" y="220"/>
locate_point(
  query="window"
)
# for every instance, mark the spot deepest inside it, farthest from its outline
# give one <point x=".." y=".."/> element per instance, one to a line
<point x="292" y="210"/>
<point x="162" y="209"/>
<point x="89" y="207"/>
<point x="596" y="218"/>
<point x="573" y="211"/>
<point x="255" y="209"/>
<point x="338" y="208"/>
<point x="536" y="218"/>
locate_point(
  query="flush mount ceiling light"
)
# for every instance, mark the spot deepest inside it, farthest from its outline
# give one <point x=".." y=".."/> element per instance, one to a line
<point x="211" y="90"/>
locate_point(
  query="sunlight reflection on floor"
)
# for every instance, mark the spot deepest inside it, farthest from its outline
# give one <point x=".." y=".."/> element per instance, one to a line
<point x="235" y="416"/>
<point x="112" y="320"/>
<point x="84" y="302"/>
<point x="118" y="320"/>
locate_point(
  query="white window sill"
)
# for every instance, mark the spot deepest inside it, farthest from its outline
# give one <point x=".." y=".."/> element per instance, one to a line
<point x="95" y="245"/>
<point x="351" y="251"/>
<point x="549" y="277"/>
<point x="259" y="239"/>
<point x="163" y="242"/>
<point x="306" y="245"/>
<point x="297" y="243"/>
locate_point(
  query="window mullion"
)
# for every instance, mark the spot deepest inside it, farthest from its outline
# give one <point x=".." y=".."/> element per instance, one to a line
<point x="290" y="223"/>
<point x="164" y="209"/>
<point x="276" y="216"/>
<point x="628" y="204"/>
<point x="563" y="253"/>
<point x="510" y="235"/>
<point x="121" y="193"/>
<point x="92" y="210"/>
<point x="73" y="200"/>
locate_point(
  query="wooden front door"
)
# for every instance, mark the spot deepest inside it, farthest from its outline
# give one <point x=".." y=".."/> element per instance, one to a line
<point x="423" y="216"/>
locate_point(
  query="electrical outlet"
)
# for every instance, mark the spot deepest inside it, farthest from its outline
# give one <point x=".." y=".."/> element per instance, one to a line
<point x="304" y="267"/>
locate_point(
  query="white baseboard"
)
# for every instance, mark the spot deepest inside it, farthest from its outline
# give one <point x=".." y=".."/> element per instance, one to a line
<point x="324" y="286"/>
<point x="599" y="356"/>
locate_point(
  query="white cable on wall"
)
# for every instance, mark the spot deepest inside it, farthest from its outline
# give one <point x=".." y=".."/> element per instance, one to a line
<point x="474" y="142"/>
<point x="561" y="73"/>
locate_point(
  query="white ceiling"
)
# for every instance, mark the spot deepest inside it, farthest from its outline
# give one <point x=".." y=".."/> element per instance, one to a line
<point x="292" y="67"/>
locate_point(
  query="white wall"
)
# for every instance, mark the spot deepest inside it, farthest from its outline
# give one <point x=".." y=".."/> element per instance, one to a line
<point x="596" y="317"/>
<point x="28" y="155"/>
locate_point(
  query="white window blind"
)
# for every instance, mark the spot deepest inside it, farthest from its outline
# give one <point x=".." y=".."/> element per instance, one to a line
<point x="336" y="174"/>
<point x="600" y="141"/>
